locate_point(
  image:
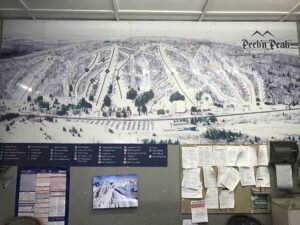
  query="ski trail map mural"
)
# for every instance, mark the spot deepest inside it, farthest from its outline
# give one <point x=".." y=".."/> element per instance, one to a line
<point x="149" y="82"/>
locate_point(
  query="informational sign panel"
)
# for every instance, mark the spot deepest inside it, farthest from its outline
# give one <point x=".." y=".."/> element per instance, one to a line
<point x="84" y="154"/>
<point x="44" y="194"/>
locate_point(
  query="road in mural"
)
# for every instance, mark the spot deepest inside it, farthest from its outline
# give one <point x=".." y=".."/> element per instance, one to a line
<point x="147" y="90"/>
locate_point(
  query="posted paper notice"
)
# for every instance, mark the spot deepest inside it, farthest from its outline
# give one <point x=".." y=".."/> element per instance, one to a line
<point x="211" y="198"/>
<point x="262" y="177"/>
<point x="199" y="212"/>
<point x="191" y="178"/>
<point x="189" y="157"/>
<point x="209" y="177"/>
<point x="204" y="155"/>
<point x="226" y="199"/>
<point x="188" y="222"/>
<point x="231" y="179"/>
<point x="263" y="157"/>
<point x="247" y="176"/>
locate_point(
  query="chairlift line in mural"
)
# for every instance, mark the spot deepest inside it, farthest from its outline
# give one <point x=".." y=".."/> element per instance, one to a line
<point x="147" y="90"/>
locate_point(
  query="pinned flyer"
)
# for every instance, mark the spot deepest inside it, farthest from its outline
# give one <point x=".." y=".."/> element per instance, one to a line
<point x="204" y="155"/>
<point x="189" y="158"/>
<point x="219" y="155"/>
<point x="263" y="157"/>
<point x="209" y="177"/>
<point x="191" y="178"/>
<point x="247" y="176"/>
<point x="226" y="199"/>
<point x="231" y="179"/>
<point x="199" y="212"/>
<point x="191" y="193"/>
<point x="262" y="177"/>
<point x="222" y="172"/>
<point x="211" y="198"/>
<point x="188" y="222"/>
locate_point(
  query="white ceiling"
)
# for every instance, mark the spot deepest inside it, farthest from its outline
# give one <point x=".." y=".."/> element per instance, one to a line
<point x="193" y="10"/>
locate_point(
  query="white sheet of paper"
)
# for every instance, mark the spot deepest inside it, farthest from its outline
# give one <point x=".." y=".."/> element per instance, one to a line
<point x="219" y="155"/>
<point x="199" y="212"/>
<point x="209" y="177"/>
<point x="243" y="158"/>
<point x="55" y="223"/>
<point x="252" y="155"/>
<point x="222" y="171"/>
<point x="262" y="177"/>
<point x="191" y="178"/>
<point x="191" y="193"/>
<point x="189" y="157"/>
<point x="226" y="199"/>
<point x="231" y="179"/>
<point x="247" y="176"/>
<point x="284" y="178"/>
<point x="211" y="198"/>
<point x="57" y="206"/>
<point x="232" y="153"/>
<point x="263" y="158"/>
<point x="188" y="222"/>
<point x="27" y="197"/>
<point x="204" y="155"/>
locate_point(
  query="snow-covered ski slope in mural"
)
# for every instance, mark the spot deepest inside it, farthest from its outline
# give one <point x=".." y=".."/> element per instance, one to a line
<point x="147" y="89"/>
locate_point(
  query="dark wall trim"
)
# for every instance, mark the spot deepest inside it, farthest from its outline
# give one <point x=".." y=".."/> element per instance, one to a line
<point x="298" y="32"/>
<point x="1" y="32"/>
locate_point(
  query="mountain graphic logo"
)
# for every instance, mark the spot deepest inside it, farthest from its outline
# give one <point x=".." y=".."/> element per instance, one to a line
<point x="262" y="35"/>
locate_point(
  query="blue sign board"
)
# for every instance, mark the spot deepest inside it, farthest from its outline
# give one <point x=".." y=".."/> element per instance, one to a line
<point x="103" y="155"/>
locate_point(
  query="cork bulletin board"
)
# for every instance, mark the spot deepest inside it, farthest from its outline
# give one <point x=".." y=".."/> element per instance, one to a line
<point x="248" y="199"/>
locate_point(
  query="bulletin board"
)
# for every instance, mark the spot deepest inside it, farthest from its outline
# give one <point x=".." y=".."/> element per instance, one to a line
<point x="244" y="196"/>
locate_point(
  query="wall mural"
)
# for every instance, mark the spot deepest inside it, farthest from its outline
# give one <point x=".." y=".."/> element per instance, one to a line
<point x="149" y="88"/>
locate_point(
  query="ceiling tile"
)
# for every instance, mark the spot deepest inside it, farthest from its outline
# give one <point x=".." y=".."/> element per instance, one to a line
<point x="294" y="17"/>
<point x="10" y="4"/>
<point x="251" y="5"/>
<point x="241" y="17"/>
<point x="156" y="17"/>
<point x="180" y="5"/>
<point x="74" y="16"/>
<point x="19" y="14"/>
<point x="70" y="4"/>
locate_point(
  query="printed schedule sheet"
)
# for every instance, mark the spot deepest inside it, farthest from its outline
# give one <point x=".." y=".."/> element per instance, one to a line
<point x="42" y="193"/>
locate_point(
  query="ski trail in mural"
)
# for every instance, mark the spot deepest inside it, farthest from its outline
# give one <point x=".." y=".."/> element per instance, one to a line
<point x="147" y="90"/>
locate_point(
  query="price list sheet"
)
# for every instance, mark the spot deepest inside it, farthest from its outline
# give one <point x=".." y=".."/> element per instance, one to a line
<point x="43" y="193"/>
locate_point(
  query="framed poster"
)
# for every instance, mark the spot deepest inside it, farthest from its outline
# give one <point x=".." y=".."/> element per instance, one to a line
<point x="116" y="191"/>
<point x="144" y="82"/>
<point x="43" y="192"/>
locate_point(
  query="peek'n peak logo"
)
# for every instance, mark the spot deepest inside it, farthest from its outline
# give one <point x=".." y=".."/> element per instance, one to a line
<point x="264" y="41"/>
